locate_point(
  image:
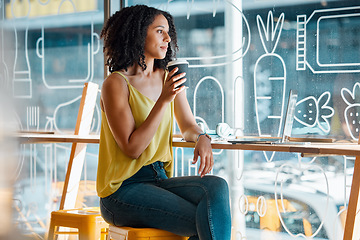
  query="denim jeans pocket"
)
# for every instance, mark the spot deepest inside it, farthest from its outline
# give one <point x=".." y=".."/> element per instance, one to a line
<point x="106" y="213"/>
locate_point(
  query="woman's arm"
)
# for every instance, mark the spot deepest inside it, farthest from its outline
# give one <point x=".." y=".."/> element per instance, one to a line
<point x="114" y="99"/>
<point x="191" y="132"/>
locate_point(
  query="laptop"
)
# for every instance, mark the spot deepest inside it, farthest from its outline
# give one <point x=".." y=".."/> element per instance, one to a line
<point x="286" y="130"/>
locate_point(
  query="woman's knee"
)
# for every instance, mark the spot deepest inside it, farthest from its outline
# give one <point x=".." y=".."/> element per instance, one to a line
<point x="217" y="185"/>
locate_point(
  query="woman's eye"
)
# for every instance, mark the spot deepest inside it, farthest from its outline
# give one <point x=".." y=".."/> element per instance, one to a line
<point x="159" y="31"/>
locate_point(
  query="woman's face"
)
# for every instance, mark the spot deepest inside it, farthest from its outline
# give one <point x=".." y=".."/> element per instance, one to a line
<point x="157" y="38"/>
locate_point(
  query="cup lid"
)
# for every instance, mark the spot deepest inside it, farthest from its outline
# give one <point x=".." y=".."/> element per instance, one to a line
<point x="178" y="61"/>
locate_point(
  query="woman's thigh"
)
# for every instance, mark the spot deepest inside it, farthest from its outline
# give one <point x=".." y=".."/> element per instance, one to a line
<point x="194" y="188"/>
<point x="147" y="205"/>
<point x="210" y="194"/>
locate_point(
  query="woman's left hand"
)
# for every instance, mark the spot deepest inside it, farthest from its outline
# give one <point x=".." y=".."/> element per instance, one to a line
<point x="204" y="151"/>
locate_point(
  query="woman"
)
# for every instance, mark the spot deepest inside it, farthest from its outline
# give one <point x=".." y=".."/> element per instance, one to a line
<point x="138" y="101"/>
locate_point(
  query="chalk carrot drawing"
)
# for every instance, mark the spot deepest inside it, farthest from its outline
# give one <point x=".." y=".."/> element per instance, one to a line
<point x="273" y="66"/>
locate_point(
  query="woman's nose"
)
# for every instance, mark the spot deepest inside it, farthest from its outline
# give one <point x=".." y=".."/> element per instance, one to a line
<point x="167" y="37"/>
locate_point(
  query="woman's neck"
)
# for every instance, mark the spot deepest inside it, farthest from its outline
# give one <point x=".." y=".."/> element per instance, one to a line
<point x="136" y="69"/>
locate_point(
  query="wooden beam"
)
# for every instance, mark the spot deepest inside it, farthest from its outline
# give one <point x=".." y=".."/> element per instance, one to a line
<point x="352" y="224"/>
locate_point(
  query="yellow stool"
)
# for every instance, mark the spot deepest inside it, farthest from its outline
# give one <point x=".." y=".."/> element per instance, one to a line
<point x="128" y="233"/>
<point x="88" y="221"/>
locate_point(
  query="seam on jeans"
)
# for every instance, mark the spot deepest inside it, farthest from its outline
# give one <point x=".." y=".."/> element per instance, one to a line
<point x="153" y="209"/>
<point x="208" y="206"/>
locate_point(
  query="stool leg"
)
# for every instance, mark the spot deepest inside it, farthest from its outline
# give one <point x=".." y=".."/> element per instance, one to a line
<point x="103" y="235"/>
<point x="51" y="231"/>
<point x="89" y="231"/>
<point x="108" y="234"/>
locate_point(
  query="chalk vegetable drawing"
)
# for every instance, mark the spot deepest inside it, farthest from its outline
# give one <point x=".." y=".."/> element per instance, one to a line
<point x="311" y="112"/>
<point x="273" y="63"/>
<point x="352" y="111"/>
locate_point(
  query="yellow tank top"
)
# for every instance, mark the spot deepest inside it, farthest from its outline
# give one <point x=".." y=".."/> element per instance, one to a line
<point x="114" y="166"/>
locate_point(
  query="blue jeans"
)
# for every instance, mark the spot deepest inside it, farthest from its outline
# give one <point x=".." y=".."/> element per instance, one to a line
<point x="188" y="206"/>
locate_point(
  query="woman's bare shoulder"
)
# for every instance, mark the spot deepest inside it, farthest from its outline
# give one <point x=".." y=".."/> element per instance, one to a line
<point x="114" y="85"/>
<point x="114" y="80"/>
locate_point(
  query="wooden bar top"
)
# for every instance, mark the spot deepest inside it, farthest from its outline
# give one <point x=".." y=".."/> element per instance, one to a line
<point x="28" y="138"/>
<point x="315" y="148"/>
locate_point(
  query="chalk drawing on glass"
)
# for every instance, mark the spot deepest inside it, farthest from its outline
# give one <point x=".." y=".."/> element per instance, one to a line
<point x="45" y="2"/>
<point x="209" y="8"/>
<point x="348" y="173"/>
<point x="203" y="121"/>
<point x="53" y="83"/>
<point x="317" y="44"/>
<point x="69" y="108"/>
<point x="68" y="3"/>
<point x="199" y="6"/>
<point x="4" y="70"/>
<point x="203" y="7"/>
<point x="238" y="119"/>
<point x="352" y="111"/>
<point x="302" y="171"/>
<point x="311" y="112"/>
<point x="269" y="80"/>
<point x="177" y="168"/>
<point x="254" y="204"/>
<point x="32" y="124"/>
<point x="22" y="82"/>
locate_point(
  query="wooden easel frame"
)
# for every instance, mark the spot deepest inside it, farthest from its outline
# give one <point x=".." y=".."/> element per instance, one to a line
<point x="78" y="150"/>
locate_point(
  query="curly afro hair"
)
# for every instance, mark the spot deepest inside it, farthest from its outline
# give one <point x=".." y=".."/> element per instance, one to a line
<point x="124" y="37"/>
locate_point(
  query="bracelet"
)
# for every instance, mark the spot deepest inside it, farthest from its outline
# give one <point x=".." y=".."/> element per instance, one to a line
<point x="203" y="134"/>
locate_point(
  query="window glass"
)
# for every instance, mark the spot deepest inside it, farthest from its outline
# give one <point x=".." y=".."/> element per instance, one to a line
<point x="244" y="57"/>
<point x="49" y="49"/>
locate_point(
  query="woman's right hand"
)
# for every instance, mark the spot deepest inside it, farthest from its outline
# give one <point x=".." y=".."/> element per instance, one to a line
<point x="171" y="86"/>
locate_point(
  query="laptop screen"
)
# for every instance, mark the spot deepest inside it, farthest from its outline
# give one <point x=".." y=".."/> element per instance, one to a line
<point x="287" y="124"/>
<point x="289" y="116"/>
